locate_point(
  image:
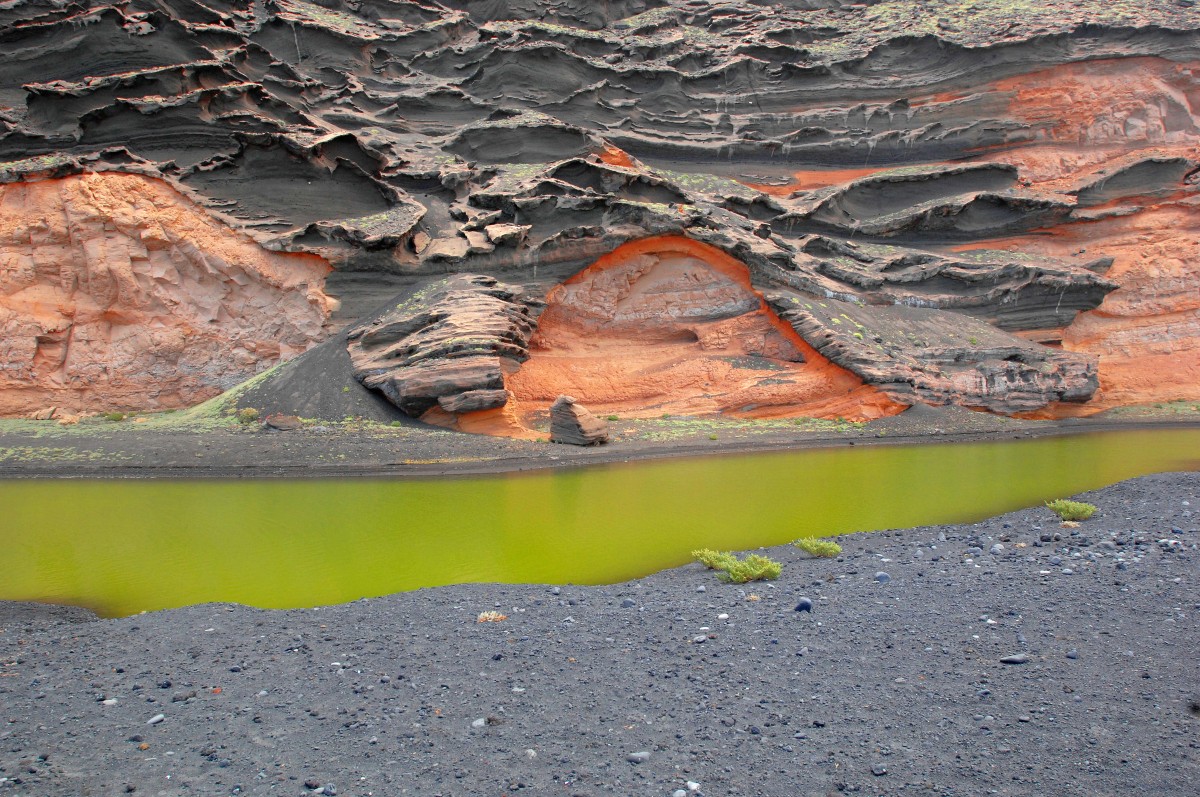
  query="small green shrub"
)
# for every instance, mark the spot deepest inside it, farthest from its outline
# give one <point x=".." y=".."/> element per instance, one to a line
<point x="754" y="567"/>
<point x="396" y="424"/>
<point x="247" y="416"/>
<point x="815" y="547"/>
<point x="613" y="418"/>
<point x="712" y="437"/>
<point x="1071" y="510"/>
<point x="713" y="560"/>
<point x="114" y="416"/>
<point x="346" y="389"/>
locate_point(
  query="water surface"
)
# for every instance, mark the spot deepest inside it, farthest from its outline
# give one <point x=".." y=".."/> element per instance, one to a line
<point x="121" y="547"/>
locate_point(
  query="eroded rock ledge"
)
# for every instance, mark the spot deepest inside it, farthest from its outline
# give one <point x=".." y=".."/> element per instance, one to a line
<point x="445" y="350"/>
<point x="853" y="153"/>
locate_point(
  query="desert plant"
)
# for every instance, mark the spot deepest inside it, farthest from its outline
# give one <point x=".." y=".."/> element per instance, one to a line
<point x="1071" y="510"/>
<point x="754" y="567"/>
<point x="114" y="416"/>
<point x="247" y="416"/>
<point x="491" y="617"/>
<point x="815" y="547"/>
<point x="613" y="418"/>
<point x="713" y="560"/>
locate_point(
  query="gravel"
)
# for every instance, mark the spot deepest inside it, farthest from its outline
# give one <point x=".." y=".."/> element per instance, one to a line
<point x="896" y="690"/>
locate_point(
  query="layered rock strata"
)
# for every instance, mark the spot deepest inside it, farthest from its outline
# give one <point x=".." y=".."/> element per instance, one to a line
<point x="887" y="155"/>
<point x="116" y="292"/>
<point x="445" y="351"/>
<point x="574" y="424"/>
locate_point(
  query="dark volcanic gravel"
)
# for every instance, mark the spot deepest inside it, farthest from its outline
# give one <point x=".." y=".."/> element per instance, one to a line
<point x="639" y="688"/>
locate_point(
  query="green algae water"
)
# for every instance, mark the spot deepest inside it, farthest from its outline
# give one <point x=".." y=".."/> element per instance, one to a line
<point x="121" y="547"/>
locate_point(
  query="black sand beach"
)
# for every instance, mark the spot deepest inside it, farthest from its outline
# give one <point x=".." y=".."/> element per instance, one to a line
<point x="891" y="685"/>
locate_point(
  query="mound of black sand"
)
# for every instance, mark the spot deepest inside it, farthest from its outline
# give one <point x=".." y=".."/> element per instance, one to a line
<point x="319" y="385"/>
<point x="895" y="683"/>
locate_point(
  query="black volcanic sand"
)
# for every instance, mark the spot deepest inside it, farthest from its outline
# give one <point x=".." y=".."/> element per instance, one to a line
<point x="885" y="688"/>
<point x="96" y="448"/>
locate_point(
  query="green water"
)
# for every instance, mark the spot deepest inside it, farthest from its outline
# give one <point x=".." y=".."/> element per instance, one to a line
<point x="121" y="547"/>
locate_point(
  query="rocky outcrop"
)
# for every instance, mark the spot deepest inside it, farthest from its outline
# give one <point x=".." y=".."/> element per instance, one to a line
<point x="448" y="346"/>
<point x="671" y="325"/>
<point x="116" y="292"/>
<point x="880" y="154"/>
<point x="919" y="355"/>
<point x="575" y="425"/>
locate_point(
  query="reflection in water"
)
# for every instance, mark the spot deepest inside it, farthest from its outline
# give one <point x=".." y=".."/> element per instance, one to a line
<point x="127" y="546"/>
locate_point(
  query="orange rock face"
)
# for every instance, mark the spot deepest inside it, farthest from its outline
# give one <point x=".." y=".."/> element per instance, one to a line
<point x="1093" y="117"/>
<point x="117" y="292"/>
<point x="670" y="325"/>
<point x="1147" y="333"/>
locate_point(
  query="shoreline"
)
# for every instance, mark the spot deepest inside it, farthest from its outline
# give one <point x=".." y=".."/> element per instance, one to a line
<point x="303" y="454"/>
<point x="1001" y="655"/>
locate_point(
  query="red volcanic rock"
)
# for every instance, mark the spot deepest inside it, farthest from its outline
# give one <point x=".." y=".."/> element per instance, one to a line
<point x="669" y="324"/>
<point x="118" y="292"/>
<point x="283" y="423"/>
<point x="575" y="425"/>
<point x="830" y="151"/>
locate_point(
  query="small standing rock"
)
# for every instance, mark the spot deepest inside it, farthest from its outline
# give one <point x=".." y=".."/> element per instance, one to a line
<point x="804" y="605"/>
<point x="1016" y="658"/>
<point x="882" y="577"/>
<point x="573" y="424"/>
<point x="638" y="758"/>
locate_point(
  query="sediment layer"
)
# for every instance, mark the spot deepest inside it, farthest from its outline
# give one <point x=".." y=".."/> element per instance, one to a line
<point x="1027" y="168"/>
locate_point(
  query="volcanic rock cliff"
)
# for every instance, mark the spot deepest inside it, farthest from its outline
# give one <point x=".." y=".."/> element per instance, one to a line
<point x="762" y="208"/>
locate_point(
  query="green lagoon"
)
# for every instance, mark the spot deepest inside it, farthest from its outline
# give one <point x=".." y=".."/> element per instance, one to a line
<point x="121" y="547"/>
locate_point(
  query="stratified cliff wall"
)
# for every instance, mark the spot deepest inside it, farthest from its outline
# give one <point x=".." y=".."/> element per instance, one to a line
<point x="118" y="293"/>
<point x="986" y="204"/>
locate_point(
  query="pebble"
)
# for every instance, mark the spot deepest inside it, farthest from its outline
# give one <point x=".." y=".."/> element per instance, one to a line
<point x="878" y="770"/>
<point x="1068" y="571"/>
<point x="804" y="605"/>
<point x="1016" y="658"/>
<point x="628" y="602"/>
<point x="479" y="723"/>
<point x="555" y="591"/>
<point x="679" y="793"/>
<point x="722" y="617"/>
<point x="882" y="577"/>
<point x="693" y="785"/>
<point x="638" y="758"/>
<point x="701" y="639"/>
<point x="1072" y="653"/>
<point x="157" y="718"/>
<point x="997" y="549"/>
<point x="701" y="588"/>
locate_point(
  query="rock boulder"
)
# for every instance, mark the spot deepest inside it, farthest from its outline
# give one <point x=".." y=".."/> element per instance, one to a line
<point x="573" y="424"/>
